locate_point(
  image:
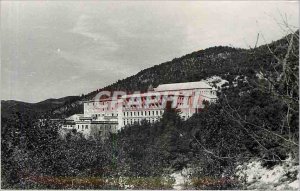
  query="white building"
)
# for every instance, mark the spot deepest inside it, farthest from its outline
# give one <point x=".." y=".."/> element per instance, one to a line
<point x="135" y="109"/>
<point x="187" y="98"/>
<point x="97" y="121"/>
<point x="109" y="115"/>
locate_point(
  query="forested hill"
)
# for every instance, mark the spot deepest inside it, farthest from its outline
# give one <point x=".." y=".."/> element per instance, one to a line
<point x="10" y="107"/>
<point x="225" y="62"/>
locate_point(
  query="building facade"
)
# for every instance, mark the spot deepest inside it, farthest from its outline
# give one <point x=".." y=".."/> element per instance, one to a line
<point x="104" y="116"/>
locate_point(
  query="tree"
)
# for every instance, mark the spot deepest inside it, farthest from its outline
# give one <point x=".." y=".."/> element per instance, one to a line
<point x="271" y="119"/>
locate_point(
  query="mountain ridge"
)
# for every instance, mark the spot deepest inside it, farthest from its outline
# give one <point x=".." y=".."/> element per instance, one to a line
<point x="8" y="107"/>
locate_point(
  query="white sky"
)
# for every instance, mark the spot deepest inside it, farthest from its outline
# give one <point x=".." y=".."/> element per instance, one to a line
<point x="54" y="49"/>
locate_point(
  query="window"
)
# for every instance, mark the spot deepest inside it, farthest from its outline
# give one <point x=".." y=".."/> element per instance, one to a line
<point x="112" y="114"/>
<point x="130" y="113"/>
<point x="77" y="126"/>
<point x="156" y="112"/>
<point x="149" y="113"/>
<point x="86" y="126"/>
<point x="152" y="112"/>
<point x="145" y="113"/>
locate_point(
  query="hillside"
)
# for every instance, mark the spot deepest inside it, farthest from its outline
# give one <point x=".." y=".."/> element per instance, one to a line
<point x="9" y="107"/>
<point x="225" y="62"/>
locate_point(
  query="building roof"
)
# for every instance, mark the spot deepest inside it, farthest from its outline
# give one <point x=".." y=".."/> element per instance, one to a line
<point x="83" y="117"/>
<point x="73" y="116"/>
<point x="183" y="86"/>
<point x="101" y="100"/>
<point x="141" y="95"/>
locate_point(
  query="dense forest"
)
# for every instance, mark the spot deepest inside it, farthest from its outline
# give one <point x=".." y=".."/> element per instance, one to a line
<point x="255" y="117"/>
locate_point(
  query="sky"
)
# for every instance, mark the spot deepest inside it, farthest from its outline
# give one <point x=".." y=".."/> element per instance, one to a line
<point x="52" y="49"/>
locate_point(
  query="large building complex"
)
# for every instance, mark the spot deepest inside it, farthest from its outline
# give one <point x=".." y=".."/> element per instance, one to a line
<point x="108" y="115"/>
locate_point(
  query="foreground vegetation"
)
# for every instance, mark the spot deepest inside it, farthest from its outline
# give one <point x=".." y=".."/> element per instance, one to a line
<point x="256" y="116"/>
<point x="143" y="156"/>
